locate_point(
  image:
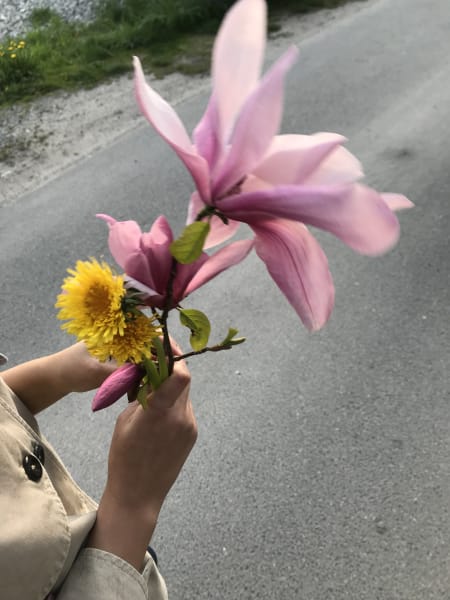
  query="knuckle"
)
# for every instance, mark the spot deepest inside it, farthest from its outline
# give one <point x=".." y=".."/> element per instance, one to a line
<point x="185" y="378"/>
<point x="192" y="429"/>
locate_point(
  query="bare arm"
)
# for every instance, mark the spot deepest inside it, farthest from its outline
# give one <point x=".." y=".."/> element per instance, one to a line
<point x="41" y="382"/>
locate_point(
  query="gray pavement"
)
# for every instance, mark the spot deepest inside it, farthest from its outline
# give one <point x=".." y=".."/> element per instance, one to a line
<point x="322" y="470"/>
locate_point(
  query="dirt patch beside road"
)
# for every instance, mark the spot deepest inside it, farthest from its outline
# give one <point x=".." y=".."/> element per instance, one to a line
<point x="41" y="140"/>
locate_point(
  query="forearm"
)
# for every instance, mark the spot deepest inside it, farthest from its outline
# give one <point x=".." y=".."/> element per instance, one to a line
<point x="39" y="383"/>
<point x="43" y="381"/>
<point x="122" y="531"/>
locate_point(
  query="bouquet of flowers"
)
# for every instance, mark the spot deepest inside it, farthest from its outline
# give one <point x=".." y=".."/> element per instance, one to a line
<point x="243" y="172"/>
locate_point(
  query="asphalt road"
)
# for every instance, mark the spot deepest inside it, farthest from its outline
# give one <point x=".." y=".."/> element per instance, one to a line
<point x="322" y="471"/>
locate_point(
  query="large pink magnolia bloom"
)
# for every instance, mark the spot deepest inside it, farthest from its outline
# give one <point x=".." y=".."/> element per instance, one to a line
<point x="147" y="262"/>
<point x="277" y="184"/>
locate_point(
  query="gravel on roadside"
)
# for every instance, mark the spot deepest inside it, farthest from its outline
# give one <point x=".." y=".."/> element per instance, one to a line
<point x="14" y="14"/>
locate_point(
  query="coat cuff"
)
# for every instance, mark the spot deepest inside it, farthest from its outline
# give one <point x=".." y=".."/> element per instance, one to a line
<point x="99" y="575"/>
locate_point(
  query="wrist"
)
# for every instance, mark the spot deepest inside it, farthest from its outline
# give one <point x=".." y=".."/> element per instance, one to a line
<point x="123" y="530"/>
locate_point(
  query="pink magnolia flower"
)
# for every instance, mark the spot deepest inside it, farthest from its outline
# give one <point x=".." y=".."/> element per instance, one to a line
<point x="147" y="262"/>
<point x="117" y="385"/>
<point x="277" y="184"/>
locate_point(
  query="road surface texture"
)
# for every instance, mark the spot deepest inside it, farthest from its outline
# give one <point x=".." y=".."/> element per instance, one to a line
<point x="322" y="470"/>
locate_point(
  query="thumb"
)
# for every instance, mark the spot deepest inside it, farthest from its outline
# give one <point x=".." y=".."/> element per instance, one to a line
<point x="173" y="387"/>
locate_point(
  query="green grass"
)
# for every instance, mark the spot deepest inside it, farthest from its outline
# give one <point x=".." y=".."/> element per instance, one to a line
<point x="168" y="35"/>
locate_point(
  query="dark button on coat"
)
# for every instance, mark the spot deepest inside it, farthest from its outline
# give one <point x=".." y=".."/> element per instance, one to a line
<point x="32" y="467"/>
<point x="38" y="451"/>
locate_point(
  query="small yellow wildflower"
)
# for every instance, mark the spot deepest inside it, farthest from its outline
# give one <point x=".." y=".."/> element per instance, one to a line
<point x="91" y="301"/>
<point x="13" y="55"/>
<point x="132" y="345"/>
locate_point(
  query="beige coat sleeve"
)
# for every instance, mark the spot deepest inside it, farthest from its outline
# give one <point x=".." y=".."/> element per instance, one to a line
<point x="98" y="575"/>
<point x="45" y="518"/>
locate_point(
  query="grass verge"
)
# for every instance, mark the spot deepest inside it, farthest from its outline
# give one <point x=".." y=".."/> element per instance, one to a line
<point x="168" y="35"/>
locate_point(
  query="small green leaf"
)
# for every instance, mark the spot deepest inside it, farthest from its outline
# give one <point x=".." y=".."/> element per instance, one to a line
<point x="199" y="325"/>
<point x="152" y="373"/>
<point x="142" y="395"/>
<point x="230" y="335"/>
<point x="230" y="340"/>
<point x="237" y="341"/>
<point x="188" y="247"/>
<point x="162" y="364"/>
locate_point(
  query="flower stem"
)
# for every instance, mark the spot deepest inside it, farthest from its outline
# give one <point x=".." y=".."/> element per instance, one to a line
<point x="210" y="211"/>
<point x="217" y="348"/>
<point x="165" y="314"/>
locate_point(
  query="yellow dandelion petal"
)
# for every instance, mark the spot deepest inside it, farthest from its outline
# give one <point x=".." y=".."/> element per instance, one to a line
<point x="132" y="345"/>
<point x="91" y="302"/>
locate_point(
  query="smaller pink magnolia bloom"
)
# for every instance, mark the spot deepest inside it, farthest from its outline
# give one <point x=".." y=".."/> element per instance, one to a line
<point x="147" y="262"/>
<point x="117" y="385"/>
<point x="277" y="184"/>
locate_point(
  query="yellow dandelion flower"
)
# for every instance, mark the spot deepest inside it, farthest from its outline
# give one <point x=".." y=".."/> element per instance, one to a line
<point x="132" y="345"/>
<point x="13" y="55"/>
<point x="22" y="43"/>
<point x="91" y="302"/>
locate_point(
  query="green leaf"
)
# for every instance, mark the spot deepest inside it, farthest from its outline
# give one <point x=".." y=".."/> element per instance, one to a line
<point x="230" y="335"/>
<point x="142" y="395"/>
<point x="229" y="341"/>
<point x="152" y="373"/>
<point x="188" y="247"/>
<point x="162" y="364"/>
<point x="199" y="325"/>
<point x="237" y="341"/>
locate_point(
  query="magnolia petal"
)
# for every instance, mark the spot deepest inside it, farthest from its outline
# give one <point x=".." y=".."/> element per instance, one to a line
<point x="147" y="292"/>
<point x="237" y="59"/>
<point x="206" y="135"/>
<point x="184" y="275"/>
<point x="255" y="184"/>
<point x="340" y="166"/>
<point x="219" y="231"/>
<point x="196" y="205"/>
<point x="256" y="126"/>
<point x="156" y="247"/>
<point x="316" y="159"/>
<point x="356" y="214"/>
<point x="123" y="380"/>
<point x="123" y="238"/>
<point x="292" y="158"/>
<point x="159" y="112"/>
<point x="397" y="201"/>
<point x="149" y="296"/>
<point x="138" y="267"/>
<point x="299" y="267"/>
<point x="223" y="259"/>
<point x="169" y="126"/>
